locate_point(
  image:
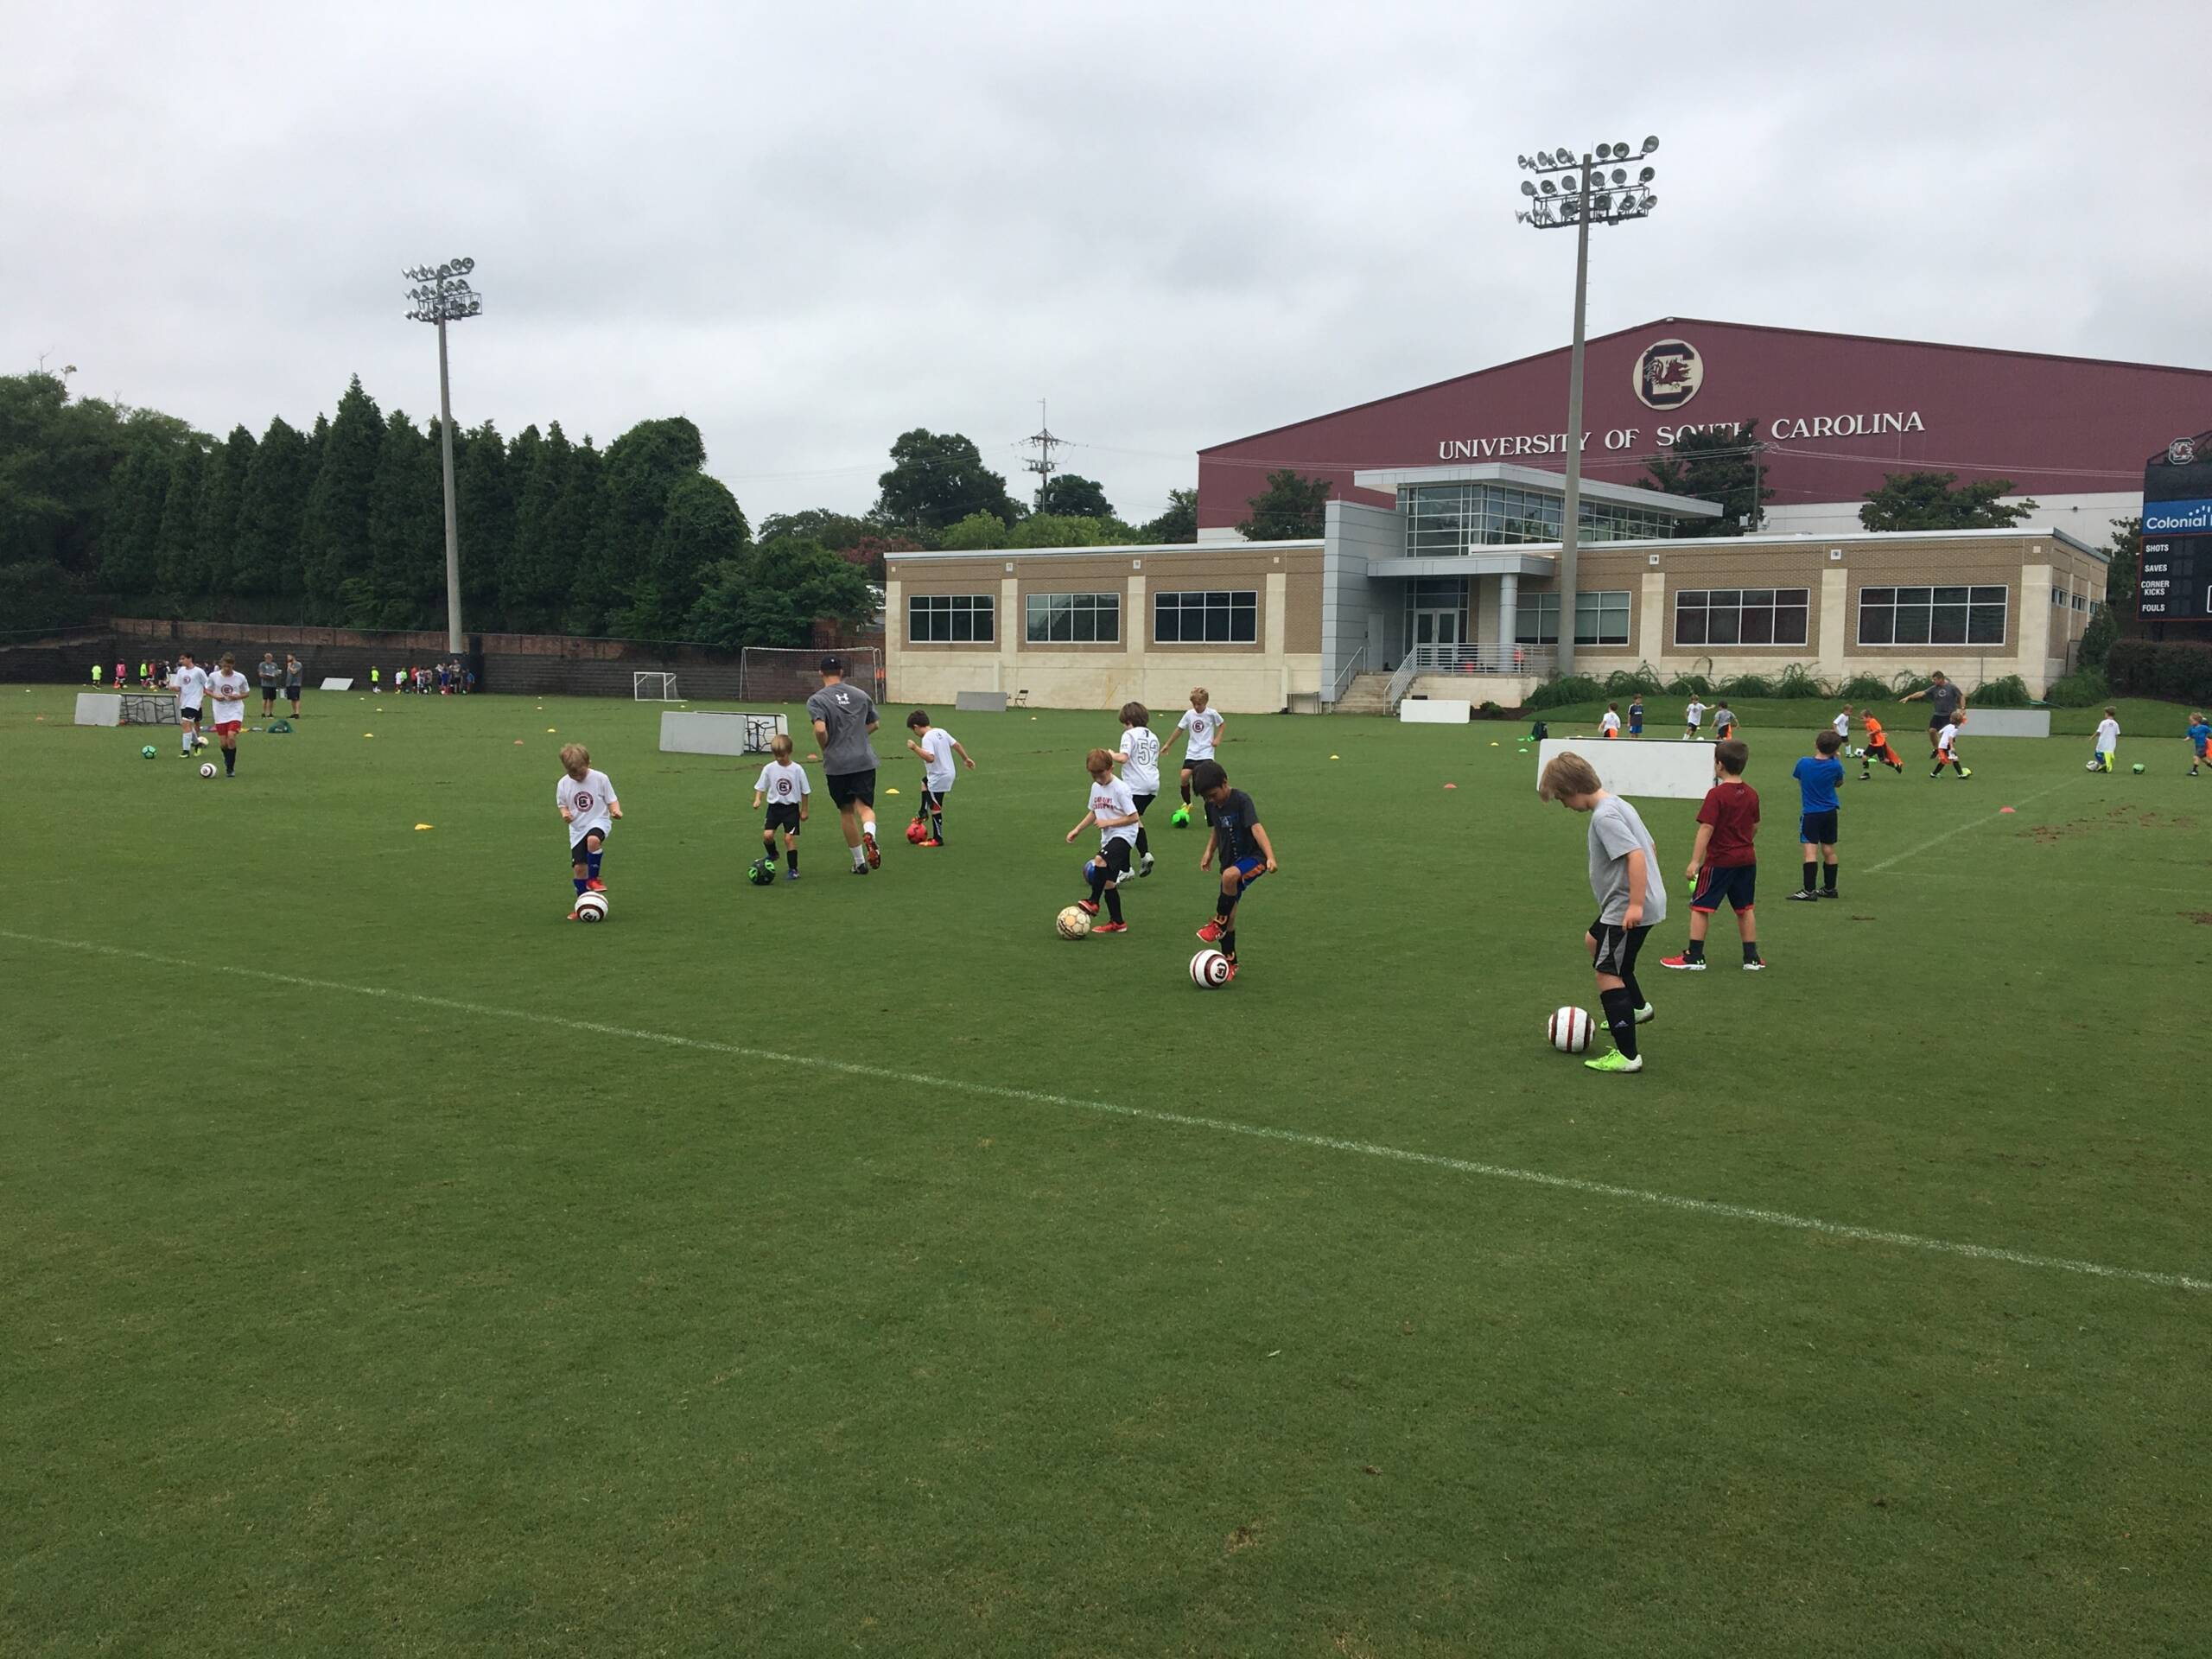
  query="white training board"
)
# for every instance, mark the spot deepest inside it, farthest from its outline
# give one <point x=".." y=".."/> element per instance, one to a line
<point x="99" y="709"/>
<point x="1666" y="768"/>
<point x="693" y="731"/>
<point x="338" y="685"/>
<point x="1436" y="711"/>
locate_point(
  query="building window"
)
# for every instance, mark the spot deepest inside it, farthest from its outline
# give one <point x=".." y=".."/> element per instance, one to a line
<point x="1741" y="616"/>
<point x="950" y="619"/>
<point x="1600" y="619"/>
<point x="1206" y="619"/>
<point x="1932" y="616"/>
<point x="1452" y="519"/>
<point x="1073" y="619"/>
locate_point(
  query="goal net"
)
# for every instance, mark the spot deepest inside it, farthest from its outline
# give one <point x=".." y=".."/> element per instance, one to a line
<point x="148" y="709"/>
<point x="650" y="685"/>
<point x="774" y="674"/>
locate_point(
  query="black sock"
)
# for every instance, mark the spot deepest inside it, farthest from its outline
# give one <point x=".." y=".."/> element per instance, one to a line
<point x="1228" y="945"/>
<point x="1186" y="794"/>
<point x="1097" y="881"/>
<point x="1750" y="950"/>
<point x="1827" y="875"/>
<point x="1114" y="903"/>
<point x="1222" y="904"/>
<point x="1695" y="953"/>
<point x="1620" y="1019"/>
<point x="1809" y="875"/>
<point x="230" y="759"/>
<point x="1635" y="991"/>
<point x="937" y="826"/>
<point x="790" y="856"/>
<point x="1144" y="846"/>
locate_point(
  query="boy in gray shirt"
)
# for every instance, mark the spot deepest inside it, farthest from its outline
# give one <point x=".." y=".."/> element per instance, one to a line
<point x="1632" y="899"/>
<point x="843" y="715"/>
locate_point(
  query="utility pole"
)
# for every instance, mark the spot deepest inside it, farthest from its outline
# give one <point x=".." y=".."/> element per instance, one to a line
<point x="1044" y="442"/>
<point x="444" y="296"/>
<point x="1586" y="191"/>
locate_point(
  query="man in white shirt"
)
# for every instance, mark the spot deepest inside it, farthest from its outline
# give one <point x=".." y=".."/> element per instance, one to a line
<point x="1201" y="726"/>
<point x="189" y="682"/>
<point x="937" y="747"/>
<point x="228" y="688"/>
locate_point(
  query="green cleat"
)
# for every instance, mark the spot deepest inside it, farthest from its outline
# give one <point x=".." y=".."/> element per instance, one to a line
<point x="1615" y="1061"/>
<point x="1646" y="1014"/>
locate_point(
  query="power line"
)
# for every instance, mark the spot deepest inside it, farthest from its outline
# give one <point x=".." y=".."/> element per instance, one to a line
<point x="1044" y="442"/>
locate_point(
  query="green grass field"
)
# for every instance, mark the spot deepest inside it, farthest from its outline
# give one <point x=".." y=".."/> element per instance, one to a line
<point x="393" y="1267"/>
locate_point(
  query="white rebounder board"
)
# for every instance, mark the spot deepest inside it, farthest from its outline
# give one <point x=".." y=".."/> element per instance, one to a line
<point x="1666" y="768"/>
<point x="693" y="731"/>
<point x="338" y="685"/>
<point x="2005" y="722"/>
<point x="99" y="709"/>
<point x="1435" y="711"/>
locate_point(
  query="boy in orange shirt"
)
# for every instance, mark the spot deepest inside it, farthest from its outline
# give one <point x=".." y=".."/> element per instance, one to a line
<point x="1878" y="748"/>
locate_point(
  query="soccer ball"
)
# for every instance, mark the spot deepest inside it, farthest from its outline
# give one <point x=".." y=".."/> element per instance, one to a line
<point x="1570" y="1030"/>
<point x="206" y="768"/>
<point x="1073" y="923"/>
<point x="1209" y="970"/>
<point x="1859" y="754"/>
<point x="199" y="742"/>
<point x="2136" y="768"/>
<point x="147" y="751"/>
<point x="591" y="907"/>
<point x="914" y="832"/>
<point x="1180" y="817"/>
<point x="760" y="872"/>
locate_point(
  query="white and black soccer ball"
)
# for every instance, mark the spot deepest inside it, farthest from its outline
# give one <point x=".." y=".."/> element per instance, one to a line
<point x="206" y="768"/>
<point x="1570" y="1030"/>
<point x="1209" y="970"/>
<point x="591" y="907"/>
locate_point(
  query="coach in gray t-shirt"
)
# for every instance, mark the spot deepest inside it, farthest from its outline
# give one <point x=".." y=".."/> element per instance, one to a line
<point x="843" y="715"/>
<point x="1944" y="700"/>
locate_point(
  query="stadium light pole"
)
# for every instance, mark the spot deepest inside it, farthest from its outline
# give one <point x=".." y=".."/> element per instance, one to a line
<point x="444" y="295"/>
<point x="1567" y="190"/>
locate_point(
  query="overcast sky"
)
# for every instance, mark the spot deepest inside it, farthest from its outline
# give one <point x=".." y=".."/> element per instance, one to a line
<point x="811" y="227"/>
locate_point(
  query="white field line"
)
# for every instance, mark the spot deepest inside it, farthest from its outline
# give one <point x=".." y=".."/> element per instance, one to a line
<point x="1971" y="823"/>
<point x="1178" y="1120"/>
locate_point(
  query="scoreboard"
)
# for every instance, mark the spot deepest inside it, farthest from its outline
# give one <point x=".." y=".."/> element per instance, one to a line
<point x="2175" y="581"/>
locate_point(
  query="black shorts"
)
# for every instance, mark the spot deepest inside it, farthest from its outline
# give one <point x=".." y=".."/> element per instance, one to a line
<point x="269" y="694"/>
<point x="192" y="714"/>
<point x="292" y="692"/>
<point x="846" y="787"/>
<point x="1114" y="855"/>
<point x="578" y="852"/>
<point x="782" y="818"/>
<point x="1142" y="802"/>
<point x="1736" y="883"/>
<point x="1617" y="948"/>
<point x="1817" y="829"/>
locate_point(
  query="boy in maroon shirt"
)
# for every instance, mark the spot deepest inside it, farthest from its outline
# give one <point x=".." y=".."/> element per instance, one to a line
<point x="1724" y="864"/>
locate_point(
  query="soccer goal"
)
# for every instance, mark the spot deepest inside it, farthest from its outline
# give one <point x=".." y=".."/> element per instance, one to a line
<point x="776" y="673"/>
<point x="649" y="685"/>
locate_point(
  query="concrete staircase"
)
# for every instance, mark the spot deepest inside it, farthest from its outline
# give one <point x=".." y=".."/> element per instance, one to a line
<point x="1368" y="694"/>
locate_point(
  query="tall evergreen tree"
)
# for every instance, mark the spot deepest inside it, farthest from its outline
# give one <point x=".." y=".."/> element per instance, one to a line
<point x="643" y="465"/>
<point x="534" y="577"/>
<point x="177" y="572"/>
<point x="222" y="493"/>
<point x="334" y="529"/>
<point x="130" y="523"/>
<point x="579" y="540"/>
<point x="404" y="586"/>
<point x="483" y="504"/>
<point x="270" y="509"/>
<point x="701" y="527"/>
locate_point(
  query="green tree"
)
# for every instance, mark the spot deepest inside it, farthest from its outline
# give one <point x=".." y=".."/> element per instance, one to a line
<point x="1719" y="465"/>
<point x="643" y="465"/>
<point x="2121" y="577"/>
<point x="1928" y="501"/>
<point x="130" y="522"/>
<point x="404" y="584"/>
<point x="177" y="571"/>
<point x="582" y="517"/>
<point x="836" y="531"/>
<point x="534" y="575"/>
<point x="1073" y="496"/>
<point x="1057" y="530"/>
<point x="936" y="480"/>
<point x="484" y="508"/>
<point x="56" y="458"/>
<point x="774" y="595"/>
<point x="1290" y="509"/>
<point x="335" y="524"/>
<point x="700" y="529"/>
<point x="270" y="506"/>
<point x="215" y="538"/>
<point x="1179" y="523"/>
<point x="977" y="530"/>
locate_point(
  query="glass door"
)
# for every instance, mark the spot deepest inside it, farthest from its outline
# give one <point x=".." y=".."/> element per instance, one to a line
<point x="1435" y="632"/>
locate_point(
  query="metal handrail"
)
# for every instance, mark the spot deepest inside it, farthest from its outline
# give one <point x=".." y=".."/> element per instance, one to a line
<point x="1345" y="676"/>
<point x="1401" y="679"/>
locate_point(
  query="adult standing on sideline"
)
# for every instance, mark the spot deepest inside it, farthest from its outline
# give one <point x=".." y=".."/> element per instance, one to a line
<point x="266" y="673"/>
<point x="844" y="717"/>
<point x="190" y="684"/>
<point x="1944" y="701"/>
<point x="295" y="674"/>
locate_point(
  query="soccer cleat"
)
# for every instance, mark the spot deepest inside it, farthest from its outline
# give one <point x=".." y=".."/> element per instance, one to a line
<point x="1688" y="964"/>
<point x="594" y="886"/>
<point x="1830" y="892"/>
<point x="1803" y="894"/>
<point x="860" y="869"/>
<point x="1646" y="1014"/>
<point x="1145" y="867"/>
<point x="1755" y="967"/>
<point x="1211" y="932"/>
<point x="1111" y="927"/>
<point x="1232" y="970"/>
<point x="868" y="846"/>
<point x="1088" y="906"/>
<point x="574" y="914"/>
<point x="791" y="875"/>
<point x="1966" y="771"/>
<point x="929" y="841"/>
<point x="1615" y="1061"/>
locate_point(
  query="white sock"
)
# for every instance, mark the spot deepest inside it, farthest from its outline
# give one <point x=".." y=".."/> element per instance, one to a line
<point x="859" y="858"/>
<point x="867" y="826"/>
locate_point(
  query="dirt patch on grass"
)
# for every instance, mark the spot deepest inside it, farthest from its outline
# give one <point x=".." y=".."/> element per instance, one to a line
<point x="2202" y="918"/>
<point x="1241" y="1538"/>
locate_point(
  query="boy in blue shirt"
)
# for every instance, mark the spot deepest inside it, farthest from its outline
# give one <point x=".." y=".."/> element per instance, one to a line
<point x="2200" y="739"/>
<point x="1817" y="776"/>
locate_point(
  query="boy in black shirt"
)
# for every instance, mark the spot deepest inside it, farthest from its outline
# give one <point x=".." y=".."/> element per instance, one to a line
<point x="1234" y="831"/>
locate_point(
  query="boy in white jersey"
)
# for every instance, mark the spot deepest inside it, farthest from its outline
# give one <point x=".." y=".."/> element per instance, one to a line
<point x="1841" y="725"/>
<point x="1692" y="717"/>
<point x="588" y="808"/>
<point x="937" y="747"/>
<point x="783" y="787"/>
<point x="2108" y="744"/>
<point x="1611" y="725"/>
<point x="228" y="689"/>
<point x="190" y="684"/>
<point x="1115" y="814"/>
<point x="1201" y="725"/>
<point x="1139" y="759"/>
<point x="1947" y="748"/>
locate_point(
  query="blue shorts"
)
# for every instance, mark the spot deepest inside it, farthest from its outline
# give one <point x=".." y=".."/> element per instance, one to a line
<point x="1248" y="870"/>
<point x="1735" y="884"/>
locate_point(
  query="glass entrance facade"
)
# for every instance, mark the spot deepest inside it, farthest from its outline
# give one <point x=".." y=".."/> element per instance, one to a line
<point x="1451" y="519"/>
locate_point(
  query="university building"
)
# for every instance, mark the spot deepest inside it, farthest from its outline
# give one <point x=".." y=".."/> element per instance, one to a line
<point x="1436" y="572"/>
